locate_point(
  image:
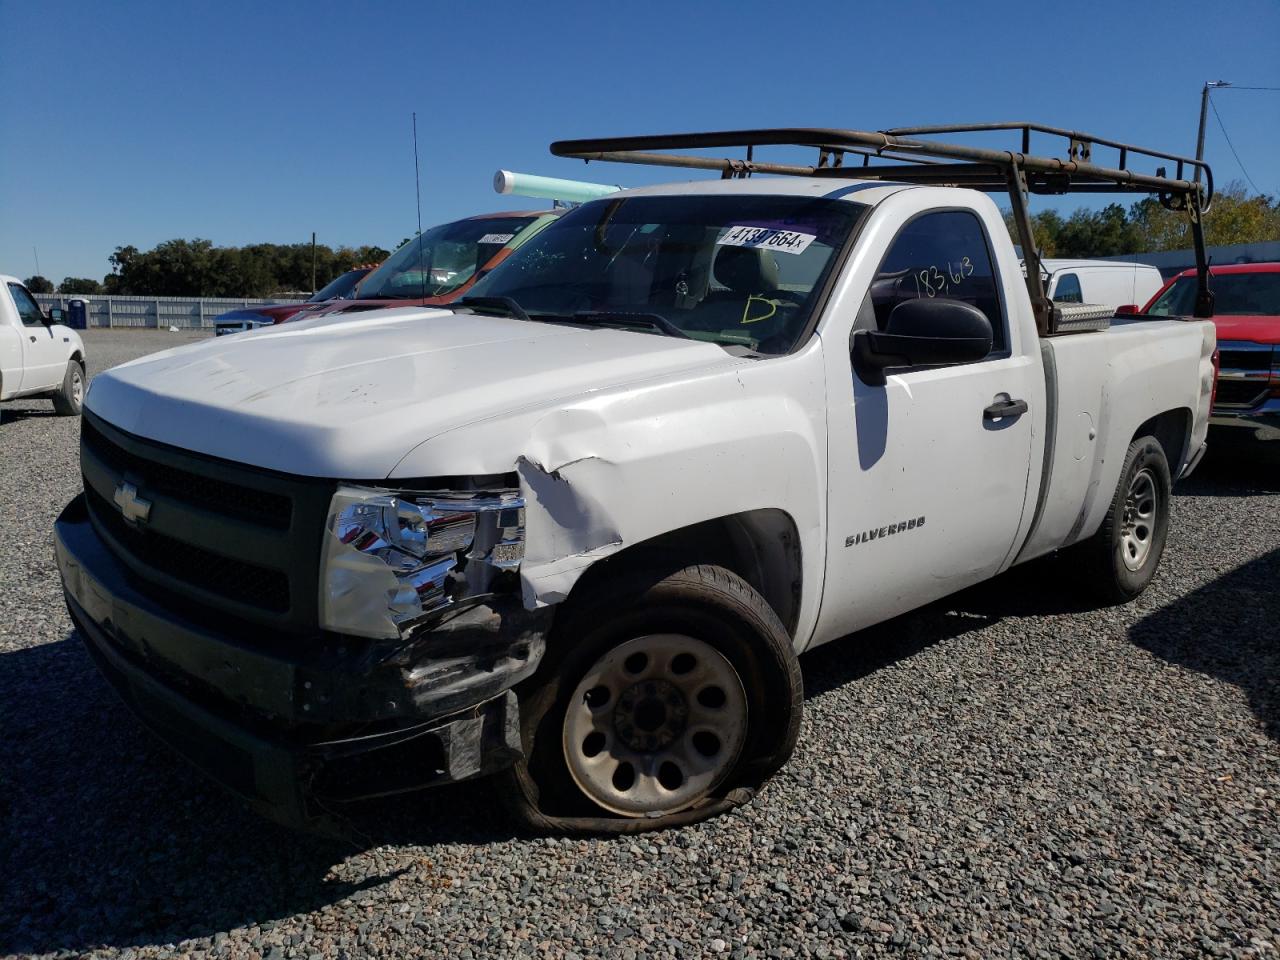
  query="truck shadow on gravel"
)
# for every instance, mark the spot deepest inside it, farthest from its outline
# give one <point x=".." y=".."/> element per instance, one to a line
<point x="1237" y="464"/>
<point x="108" y="839"/>
<point x="10" y="414"/>
<point x="1033" y="589"/>
<point x="1227" y="629"/>
<point x="859" y="655"/>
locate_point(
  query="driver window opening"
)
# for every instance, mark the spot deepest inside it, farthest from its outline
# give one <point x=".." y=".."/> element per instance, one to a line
<point x="28" y="310"/>
<point x="940" y="255"/>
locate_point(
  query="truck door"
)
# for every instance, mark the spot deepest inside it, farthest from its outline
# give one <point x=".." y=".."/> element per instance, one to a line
<point x="12" y="337"/>
<point x="928" y="480"/>
<point x="44" y="353"/>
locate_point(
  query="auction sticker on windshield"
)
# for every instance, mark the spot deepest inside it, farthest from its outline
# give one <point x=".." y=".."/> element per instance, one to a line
<point x="496" y="238"/>
<point x="783" y="241"/>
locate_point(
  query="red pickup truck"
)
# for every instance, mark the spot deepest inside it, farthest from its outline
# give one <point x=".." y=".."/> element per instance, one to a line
<point x="1247" y="314"/>
<point x="441" y="264"/>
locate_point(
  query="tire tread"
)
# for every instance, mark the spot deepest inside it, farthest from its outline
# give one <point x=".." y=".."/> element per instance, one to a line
<point x="693" y="584"/>
<point x="1098" y="573"/>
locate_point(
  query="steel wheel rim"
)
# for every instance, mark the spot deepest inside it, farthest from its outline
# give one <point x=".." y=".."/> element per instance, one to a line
<point x="77" y="387"/>
<point x="655" y="725"/>
<point x="1137" y="529"/>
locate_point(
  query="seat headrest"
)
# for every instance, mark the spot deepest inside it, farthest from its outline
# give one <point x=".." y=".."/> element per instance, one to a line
<point x="746" y="270"/>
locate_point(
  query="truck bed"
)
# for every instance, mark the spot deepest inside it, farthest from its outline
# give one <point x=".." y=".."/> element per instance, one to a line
<point x="1095" y="381"/>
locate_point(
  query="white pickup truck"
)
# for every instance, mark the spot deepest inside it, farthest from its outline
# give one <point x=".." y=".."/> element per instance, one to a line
<point x="39" y="357"/>
<point x="578" y="526"/>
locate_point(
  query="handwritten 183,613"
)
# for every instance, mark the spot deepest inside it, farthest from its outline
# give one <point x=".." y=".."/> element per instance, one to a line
<point x="930" y="281"/>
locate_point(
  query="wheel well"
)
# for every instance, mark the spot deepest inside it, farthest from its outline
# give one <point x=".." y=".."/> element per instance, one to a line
<point x="77" y="357"/>
<point x="1173" y="429"/>
<point x="761" y="546"/>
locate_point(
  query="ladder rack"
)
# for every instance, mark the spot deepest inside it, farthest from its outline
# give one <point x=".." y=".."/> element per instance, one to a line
<point x="914" y="155"/>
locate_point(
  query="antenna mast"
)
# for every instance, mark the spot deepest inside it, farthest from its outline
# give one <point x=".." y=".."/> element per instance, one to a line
<point x="417" y="179"/>
<point x="417" y="190"/>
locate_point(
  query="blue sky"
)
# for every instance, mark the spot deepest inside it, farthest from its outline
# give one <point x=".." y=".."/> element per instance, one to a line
<point x="133" y="123"/>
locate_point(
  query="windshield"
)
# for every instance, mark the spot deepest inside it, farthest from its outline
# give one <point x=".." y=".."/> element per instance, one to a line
<point x="338" y="288"/>
<point x="1234" y="294"/>
<point x="729" y="269"/>
<point x="441" y="259"/>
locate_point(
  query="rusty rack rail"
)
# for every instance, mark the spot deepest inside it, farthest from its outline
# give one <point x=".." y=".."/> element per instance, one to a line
<point x="912" y="155"/>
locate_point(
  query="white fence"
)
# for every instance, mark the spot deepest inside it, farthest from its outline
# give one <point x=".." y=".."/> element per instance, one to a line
<point x="153" y="312"/>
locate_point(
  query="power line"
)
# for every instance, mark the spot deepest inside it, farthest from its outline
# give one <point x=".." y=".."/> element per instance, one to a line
<point x="1222" y="127"/>
<point x="1234" y="87"/>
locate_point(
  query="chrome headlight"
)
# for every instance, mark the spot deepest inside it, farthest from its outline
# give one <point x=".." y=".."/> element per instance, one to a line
<point x="392" y="557"/>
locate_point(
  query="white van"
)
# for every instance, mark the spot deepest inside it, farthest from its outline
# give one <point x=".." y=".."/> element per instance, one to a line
<point x="1108" y="283"/>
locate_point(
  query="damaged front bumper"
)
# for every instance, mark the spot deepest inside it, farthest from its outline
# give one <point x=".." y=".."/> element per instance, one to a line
<point x="296" y="725"/>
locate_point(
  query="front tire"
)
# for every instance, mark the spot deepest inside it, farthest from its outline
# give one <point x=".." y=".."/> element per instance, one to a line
<point x="662" y="701"/>
<point x="1121" y="558"/>
<point x="68" y="401"/>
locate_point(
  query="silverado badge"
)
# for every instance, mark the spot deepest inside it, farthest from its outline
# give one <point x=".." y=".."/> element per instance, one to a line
<point x="888" y="531"/>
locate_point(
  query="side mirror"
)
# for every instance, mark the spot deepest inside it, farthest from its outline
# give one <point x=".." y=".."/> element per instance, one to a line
<point x="922" y="332"/>
<point x="52" y="315"/>
<point x="1126" y="309"/>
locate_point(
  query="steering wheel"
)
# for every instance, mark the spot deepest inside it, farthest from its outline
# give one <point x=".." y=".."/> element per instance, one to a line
<point x="793" y="297"/>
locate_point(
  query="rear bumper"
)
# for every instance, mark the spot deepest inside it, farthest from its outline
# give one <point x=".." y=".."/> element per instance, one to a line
<point x="296" y="733"/>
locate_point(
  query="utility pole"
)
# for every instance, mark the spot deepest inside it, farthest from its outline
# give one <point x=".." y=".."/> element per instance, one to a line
<point x="1204" y="115"/>
<point x="313" y="262"/>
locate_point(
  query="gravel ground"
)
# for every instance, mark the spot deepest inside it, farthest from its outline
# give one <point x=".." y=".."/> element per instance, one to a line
<point x="1003" y="773"/>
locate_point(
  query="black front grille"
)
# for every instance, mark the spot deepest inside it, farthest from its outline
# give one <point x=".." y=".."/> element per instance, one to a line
<point x="231" y="545"/>
<point x="1254" y="361"/>
<point x="1240" y="393"/>
<point x="229" y="499"/>
<point x="233" y="579"/>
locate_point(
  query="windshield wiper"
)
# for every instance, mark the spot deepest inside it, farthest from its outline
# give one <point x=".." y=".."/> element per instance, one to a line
<point x="625" y="320"/>
<point x="620" y="319"/>
<point x="504" y="305"/>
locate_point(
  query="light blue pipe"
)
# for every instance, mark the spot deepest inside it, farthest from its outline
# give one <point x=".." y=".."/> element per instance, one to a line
<point x="550" y="188"/>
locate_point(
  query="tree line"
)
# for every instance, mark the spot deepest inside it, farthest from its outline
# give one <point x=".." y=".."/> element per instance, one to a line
<point x="1147" y="227"/>
<point x="196" y="268"/>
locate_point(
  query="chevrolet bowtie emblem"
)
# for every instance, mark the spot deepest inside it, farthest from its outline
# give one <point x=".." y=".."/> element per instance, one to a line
<point x="134" y="508"/>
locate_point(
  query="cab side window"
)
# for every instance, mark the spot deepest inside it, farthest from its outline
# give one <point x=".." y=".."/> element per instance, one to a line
<point x="28" y="309"/>
<point x="943" y="254"/>
<point x="1068" y="289"/>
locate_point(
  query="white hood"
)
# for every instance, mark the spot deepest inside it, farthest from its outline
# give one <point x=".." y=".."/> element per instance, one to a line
<point x="350" y="396"/>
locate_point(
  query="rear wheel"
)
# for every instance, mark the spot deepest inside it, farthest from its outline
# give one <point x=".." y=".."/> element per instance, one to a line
<point x="69" y="398"/>
<point x="1121" y="558"/>
<point x="662" y="701"/>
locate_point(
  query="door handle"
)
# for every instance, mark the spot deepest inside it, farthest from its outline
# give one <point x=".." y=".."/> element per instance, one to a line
<point x="1004" y="408"/>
